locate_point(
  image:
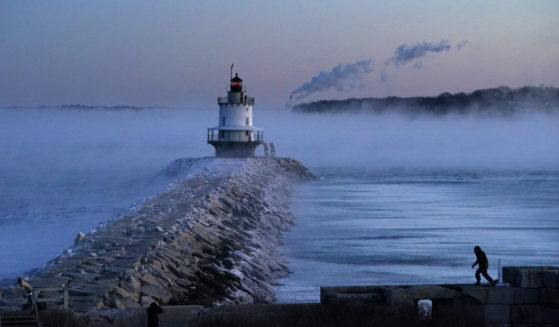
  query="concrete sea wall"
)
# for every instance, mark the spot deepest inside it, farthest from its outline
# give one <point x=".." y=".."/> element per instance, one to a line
<point x="210" y="239"/>
<point x="528" y="296"/>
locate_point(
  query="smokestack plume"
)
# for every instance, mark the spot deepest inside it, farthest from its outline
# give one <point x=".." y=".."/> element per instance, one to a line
<point x="462" y="44"/>
<point x="383" y="76"/>
<point x="405" y="53"/>
<point x="342" y="77"/>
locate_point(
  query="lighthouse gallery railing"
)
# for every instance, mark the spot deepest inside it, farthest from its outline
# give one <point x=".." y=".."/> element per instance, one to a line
<point x="215" y="134"/>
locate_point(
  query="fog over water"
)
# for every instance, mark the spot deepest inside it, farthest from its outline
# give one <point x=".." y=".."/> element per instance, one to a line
<point x="389" y="141"/>
<point x="64" y="171"/>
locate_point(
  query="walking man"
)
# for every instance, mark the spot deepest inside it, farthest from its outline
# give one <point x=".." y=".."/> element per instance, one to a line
<point x="153" y="312"/>
<point x="25" y="285"/>
<point x="483" y="265"/>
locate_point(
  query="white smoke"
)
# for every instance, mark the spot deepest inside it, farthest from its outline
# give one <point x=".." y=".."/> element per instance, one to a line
<point x="383" y="76"/>
<point x="350" y="76"/>
<point x="342" y="77"/>
<point x="406" y="53"/>
<point x="461" y="45"/>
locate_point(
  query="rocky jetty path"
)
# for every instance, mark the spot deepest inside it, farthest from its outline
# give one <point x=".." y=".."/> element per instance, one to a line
<point x="211" y="238"/>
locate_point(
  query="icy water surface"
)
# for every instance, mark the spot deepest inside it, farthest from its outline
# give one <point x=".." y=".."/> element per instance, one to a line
<point x="362" y="227"/>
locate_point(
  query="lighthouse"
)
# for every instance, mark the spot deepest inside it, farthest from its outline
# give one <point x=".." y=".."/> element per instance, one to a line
<point x="235" y="136"/>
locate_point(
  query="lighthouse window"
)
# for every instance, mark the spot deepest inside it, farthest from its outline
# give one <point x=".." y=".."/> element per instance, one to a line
<point x="222" y="120"/>
<point x="246" y="133"/>
<point x="247" y="120"/>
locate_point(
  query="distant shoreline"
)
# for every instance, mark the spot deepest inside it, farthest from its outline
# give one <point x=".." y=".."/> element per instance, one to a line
<point x="502" y="100"/>
<point x="85" y="107"/>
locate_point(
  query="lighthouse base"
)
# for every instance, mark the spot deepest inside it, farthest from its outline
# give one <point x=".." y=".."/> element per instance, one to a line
<point x="234" y="149"/>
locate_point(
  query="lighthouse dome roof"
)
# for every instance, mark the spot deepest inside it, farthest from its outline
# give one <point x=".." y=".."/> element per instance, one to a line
<point x="236" y="78"/>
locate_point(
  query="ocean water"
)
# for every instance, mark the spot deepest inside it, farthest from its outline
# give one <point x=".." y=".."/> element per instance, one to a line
<point x="400" y="199"/>
<point x="401" y="226"/>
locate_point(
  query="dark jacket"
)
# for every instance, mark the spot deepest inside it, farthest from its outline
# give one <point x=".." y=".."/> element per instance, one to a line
<point x="153" y="311"/>
<point x="481" y="258"/>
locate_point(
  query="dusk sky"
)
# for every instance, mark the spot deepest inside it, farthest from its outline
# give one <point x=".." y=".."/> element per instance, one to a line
<point x="178" y="53"/>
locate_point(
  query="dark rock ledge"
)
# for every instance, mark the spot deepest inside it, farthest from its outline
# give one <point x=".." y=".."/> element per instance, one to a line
<point x="210" y="239"/>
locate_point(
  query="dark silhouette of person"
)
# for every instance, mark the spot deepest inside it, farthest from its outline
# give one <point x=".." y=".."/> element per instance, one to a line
<point x="27" y="287"/>
<point x="483" y="265"/>
<point x="153" y="312"/>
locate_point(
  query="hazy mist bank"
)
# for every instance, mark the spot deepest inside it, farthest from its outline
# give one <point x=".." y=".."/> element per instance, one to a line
<point x="64" y="171"/>
<point x="130" y="141"/>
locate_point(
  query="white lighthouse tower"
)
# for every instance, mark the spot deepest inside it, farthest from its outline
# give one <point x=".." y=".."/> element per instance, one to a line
<point x="235" y="136"/>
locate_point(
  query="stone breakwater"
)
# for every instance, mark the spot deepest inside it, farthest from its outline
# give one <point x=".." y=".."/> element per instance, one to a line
<point x="210" y="239"/>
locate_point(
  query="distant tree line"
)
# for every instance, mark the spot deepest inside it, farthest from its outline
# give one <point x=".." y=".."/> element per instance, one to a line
<point x="501" y="100"/>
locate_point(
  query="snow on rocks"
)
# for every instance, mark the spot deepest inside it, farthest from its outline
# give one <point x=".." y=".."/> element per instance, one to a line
<point x="209" y="239"/>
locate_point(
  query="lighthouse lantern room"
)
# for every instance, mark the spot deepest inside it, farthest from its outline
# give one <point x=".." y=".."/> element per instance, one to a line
<point x="235" y="136"/>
